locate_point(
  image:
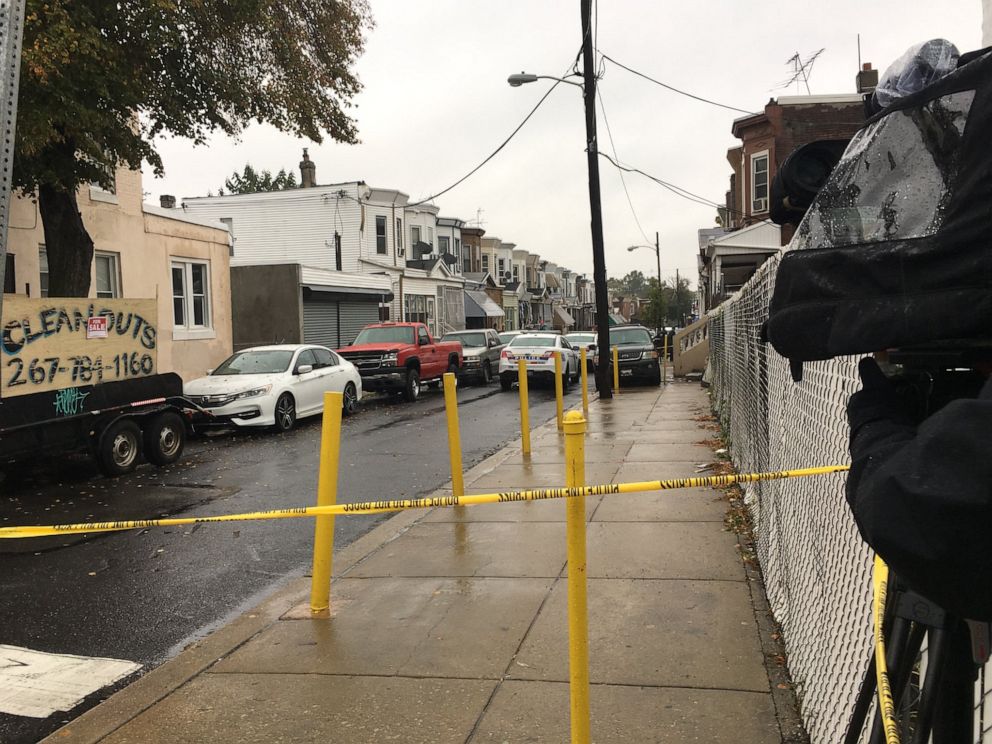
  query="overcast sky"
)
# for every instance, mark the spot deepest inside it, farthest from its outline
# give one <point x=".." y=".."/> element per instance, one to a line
<point x="436" y="103"/>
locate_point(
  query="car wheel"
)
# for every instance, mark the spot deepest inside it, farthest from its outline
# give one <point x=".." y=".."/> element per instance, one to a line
<point x="505" y="382"/>
<point x="487" y="373"/>
<point x="119" y="447"/>
<point x="164" y="438"/>
<point x="411" y="391"/>
<point x="350" y="403"/>
<point x="285" y="412"/>
<point x="655" y="378"/>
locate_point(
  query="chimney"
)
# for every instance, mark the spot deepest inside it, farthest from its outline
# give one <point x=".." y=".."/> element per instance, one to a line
<point x="867" y="79"/>
<point x="308" y="172"/>
<point x="167" y="201"/>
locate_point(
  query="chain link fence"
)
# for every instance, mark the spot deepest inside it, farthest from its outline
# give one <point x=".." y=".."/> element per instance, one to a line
<point x="816" y="567"/>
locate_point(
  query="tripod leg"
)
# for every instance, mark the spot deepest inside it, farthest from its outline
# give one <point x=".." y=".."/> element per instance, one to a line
<point x="930" y="690"/>
<point x="954" y="720"/>
<point x="862" y="704"/>
<point x="897" y="658"/>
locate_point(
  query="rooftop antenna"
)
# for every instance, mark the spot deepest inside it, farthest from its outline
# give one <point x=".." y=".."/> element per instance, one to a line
<point x="801" y="70"/>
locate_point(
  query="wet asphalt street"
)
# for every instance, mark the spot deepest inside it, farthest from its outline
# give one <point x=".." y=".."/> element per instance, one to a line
<point x="144" y="595"/>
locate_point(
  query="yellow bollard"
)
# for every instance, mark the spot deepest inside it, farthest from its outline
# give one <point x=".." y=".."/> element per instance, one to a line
<point x="578" y="617"/>
<point x="616" y="369"/>
<point x="585" y="383"/>
<point x="454" y="434"/>
<point x="524" y="406"/>
<point x="327" y="495"/>
<point x="559" y="393"/>
<point x="664" y="361"/>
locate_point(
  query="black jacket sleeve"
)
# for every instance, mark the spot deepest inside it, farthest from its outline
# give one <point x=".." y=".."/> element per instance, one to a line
<point x="922" y="497"/>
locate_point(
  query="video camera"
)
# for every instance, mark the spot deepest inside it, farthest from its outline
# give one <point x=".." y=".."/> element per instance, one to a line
<point x="893" y="248"/>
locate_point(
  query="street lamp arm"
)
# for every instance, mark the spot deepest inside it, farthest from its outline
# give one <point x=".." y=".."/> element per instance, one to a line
<point x="525" y="77"/>
<point x="635" y="247"/>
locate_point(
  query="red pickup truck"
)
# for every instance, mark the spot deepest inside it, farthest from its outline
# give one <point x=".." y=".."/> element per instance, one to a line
<point x="399" y="357"/>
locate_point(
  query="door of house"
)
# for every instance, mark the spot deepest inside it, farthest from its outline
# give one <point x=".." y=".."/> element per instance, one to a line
<point x="432" y="317"/>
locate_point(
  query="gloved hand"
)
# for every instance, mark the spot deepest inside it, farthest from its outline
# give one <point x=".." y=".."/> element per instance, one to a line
<point x="877" y="400"/>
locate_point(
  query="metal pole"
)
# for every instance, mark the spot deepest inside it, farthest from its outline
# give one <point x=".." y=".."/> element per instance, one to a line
<point x="559" y="393"/>
<point x="616" y="367"/>
<point x="524" y="407"/>
<point x="595" y="209"/>
<point x="585" y="381"/>
<point x="657" y="250"/>
<point x="327" y="495"/>
<point x="454" y="434"/>
<point x="578" y="606"/>
<point x="11" y="32"/>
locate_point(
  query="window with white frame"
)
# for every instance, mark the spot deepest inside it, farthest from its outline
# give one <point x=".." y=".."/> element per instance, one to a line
<point x="485" y="262"/>
<point x="399" y="235"/>
<point x="380" y="234"/>
<point x="43" y="270"/>
<point x="759" y="182"/>
<point x="108" y="274"/>
<point x="430" y="237"/>
<point x="443" y="243"/>
<point x="191" y="295"/>
<point x="502" y="268"/>
<point x="516" y="273"/>
<point x="414" y="236"/>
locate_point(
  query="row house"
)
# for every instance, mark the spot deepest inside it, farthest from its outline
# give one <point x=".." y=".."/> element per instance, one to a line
<point x="349" y="254"/>
<point x="729" y="255"/>
<point x="142" y="251"/>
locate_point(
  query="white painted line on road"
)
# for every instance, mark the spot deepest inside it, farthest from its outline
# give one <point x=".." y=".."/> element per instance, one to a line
<point x="35" y="684"/>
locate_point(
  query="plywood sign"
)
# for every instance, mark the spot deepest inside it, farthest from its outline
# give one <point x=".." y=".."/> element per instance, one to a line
<point x="56" y="343"/>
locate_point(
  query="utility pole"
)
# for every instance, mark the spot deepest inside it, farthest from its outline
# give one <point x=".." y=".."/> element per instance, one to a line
<point x="11" y="30"/>
<point x="604" y="382"/>
<point x="657" y="250"/>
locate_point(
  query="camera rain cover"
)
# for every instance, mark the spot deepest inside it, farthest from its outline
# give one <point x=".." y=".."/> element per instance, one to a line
<point x="896" y="249"/>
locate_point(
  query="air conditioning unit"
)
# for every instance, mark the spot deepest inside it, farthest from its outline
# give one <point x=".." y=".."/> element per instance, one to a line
<point x="400" y="252"/>
<point x="759" y="205"/>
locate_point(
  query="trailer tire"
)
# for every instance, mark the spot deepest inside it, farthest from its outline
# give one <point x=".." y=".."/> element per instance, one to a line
<point x="119" y="448"/>
<point x="164" y="438"/>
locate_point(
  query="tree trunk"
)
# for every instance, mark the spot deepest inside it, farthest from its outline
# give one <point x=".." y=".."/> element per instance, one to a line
<point x="68" y="245"/>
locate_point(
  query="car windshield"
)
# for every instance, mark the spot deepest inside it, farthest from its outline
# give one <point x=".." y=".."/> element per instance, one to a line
<point x="541" y="341"/>
<point x="398" y="334"/>
<point x="255" y="363"/>
<point x="630" y="337"/>
<point x="466" y="339"/>
<point x="581" y="338"/>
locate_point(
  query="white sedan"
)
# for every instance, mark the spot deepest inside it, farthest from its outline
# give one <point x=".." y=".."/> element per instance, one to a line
<point x="538" y="349"/>
<point x="276" y="385"/>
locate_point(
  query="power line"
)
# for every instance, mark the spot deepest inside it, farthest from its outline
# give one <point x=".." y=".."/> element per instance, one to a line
<point x="609" y="132"/>
<point x="676" y="90"/>
<point x="679" y="191"/>
<point x="505" y="142"/>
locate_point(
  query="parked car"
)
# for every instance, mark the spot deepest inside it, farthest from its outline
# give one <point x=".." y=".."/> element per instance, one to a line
<point x="636" y="354"/>
<point x="586" y="340"/>
<point x="399" y="357"/>
<point x="480" y="352"/>
<point x="275" y="385"/>
<point x="538" y="349"/>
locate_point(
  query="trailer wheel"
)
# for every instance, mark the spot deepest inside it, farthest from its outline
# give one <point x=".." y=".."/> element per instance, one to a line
<point x="164" y="438"/>
<point x="119" y="447"/>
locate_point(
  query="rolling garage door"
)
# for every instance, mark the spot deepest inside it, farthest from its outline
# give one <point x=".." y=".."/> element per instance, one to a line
<point x="320" y="323"/>
<point x="355" y="315"/>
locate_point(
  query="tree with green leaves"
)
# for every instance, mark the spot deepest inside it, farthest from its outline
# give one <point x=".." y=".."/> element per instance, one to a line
<point x="100" y="81"/>
<point x="251" y="181"/>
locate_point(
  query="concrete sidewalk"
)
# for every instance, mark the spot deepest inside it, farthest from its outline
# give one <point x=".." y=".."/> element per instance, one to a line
<point x="450" y="625"/>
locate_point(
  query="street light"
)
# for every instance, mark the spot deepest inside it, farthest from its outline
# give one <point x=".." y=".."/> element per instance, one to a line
<point x="657" y="249"/>
<point x="604" y="382"/>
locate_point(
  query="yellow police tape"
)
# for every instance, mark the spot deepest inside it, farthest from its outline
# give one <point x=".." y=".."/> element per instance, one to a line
<point x="374" y="507"/>
<point x="886" y="704"/>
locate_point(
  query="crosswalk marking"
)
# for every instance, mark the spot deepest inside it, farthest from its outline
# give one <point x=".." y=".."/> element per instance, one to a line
<point x="35" y="684"/>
